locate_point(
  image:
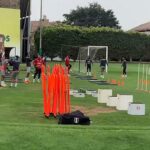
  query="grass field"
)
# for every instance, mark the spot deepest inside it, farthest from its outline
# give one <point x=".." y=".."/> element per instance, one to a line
<point x="23" y="126"/>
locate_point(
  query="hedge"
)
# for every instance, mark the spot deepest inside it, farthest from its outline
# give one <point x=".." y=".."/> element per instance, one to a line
<point x="131" y="45"/>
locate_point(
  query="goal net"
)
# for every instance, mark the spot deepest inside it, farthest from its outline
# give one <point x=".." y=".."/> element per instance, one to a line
<point x="78" y="56"/>
<point x="94" y="52"/>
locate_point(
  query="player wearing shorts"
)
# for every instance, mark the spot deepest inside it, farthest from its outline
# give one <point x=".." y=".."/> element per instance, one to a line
<point x="67" y="63"/>
<point x="28" y="71"/>
<point x="38" y="62"/>
<point x="88" y="64"/>
<point x="4" y="63"/>
<point x="103" y="63"/>
<point x="15" y="63"/>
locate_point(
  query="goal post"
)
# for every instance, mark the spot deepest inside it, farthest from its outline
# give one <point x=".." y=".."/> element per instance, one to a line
<point x="100" y="47"/>
<point x="79" y="54"/>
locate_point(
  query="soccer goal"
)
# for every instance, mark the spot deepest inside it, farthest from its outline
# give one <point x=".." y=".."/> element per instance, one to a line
<point x="95" y="53"/>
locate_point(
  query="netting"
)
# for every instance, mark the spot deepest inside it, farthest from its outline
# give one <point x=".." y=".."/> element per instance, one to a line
<point x="94" y="52"/>
<point x="78" y="55"/>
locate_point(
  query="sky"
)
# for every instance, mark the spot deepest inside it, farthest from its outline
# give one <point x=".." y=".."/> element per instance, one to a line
<point x="129" y="13"/>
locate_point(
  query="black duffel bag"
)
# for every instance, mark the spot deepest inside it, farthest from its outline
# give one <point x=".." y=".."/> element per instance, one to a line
<point x="76" y="118"/>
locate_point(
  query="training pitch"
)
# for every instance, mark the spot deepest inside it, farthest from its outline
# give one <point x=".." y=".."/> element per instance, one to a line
<point x="24" y="127"/>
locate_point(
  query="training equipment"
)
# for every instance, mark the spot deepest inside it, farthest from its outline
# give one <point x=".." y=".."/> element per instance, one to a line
<point x="74" y="118"/>
<point x="103" y="95"/>
<point x="143" y="77"/>
<point x="136" y="109"/>
<point x="56" y="90"/>
<point x="102" y="82"/>
<point x="79" y="54"/>
<point x="95" y="94"/>
<point x="86" y="77"/>
<point x="89" y="92"/>
<point x="123" y="101"/>
<point x="82" y="95"/>
<point x="95" y="52"/>
<point x="3" y="84"/>
<point x="73" y="91"/>
<point x="112" y="101"/>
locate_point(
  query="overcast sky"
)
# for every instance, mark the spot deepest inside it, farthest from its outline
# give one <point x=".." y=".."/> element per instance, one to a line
<point x="130" y="13"/>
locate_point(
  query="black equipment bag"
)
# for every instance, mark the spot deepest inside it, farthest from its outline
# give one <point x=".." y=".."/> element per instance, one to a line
<point x="76" y="118"/>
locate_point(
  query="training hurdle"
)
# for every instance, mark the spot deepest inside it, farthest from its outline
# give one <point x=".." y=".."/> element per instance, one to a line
<point x="121" y="102"/>
<point x="80" y="95"/>
<point x="112" y="101"/>
<point x="136" y="109"/>
<point x="143" y="77"/>
<point x="90" y="92"/>
<point x="56" y="90"/>
<point x="72" y="91"/>
<point x="124" y="101"/>
<point x="103" y="95"/>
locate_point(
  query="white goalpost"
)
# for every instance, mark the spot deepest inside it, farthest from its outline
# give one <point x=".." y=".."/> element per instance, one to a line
<point x="95" y="53"/>
<point x="99" y="47"/>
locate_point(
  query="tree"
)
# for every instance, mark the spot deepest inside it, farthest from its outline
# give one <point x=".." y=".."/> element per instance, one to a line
<point x="94" y="15"/>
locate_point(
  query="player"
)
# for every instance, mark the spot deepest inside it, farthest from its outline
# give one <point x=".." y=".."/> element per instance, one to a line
<point x="4" y="64"/>
<point x="124" y="67"/>
<point x="15" y="63"/>
<point x="28" y="71"/>
<point x="88" y="64"/>
<point x="67" y="63"/>
<point x="38" y="62"/>
<point x="103" y="63"/>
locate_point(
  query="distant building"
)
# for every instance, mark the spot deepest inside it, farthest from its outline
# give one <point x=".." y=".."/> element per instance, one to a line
<point x="10" y="4"/>
<point x="143" y="28"/>
<point x="35" y="25"/>
<point x="24" y="7"/>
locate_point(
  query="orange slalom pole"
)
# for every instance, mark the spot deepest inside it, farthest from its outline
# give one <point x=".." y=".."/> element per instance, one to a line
<point x="59" y="93"/>
<point x="54" y="109"/>
<point x="48" y="69"/>
<point x="49" y="99"/>
<point x="48" y="89"/>
<point x="52" y="91"/>
<point x="63" y="96"/>
<point x="43" y="69"/>
<point x="44" y="94"/>
<point x="65" y="93"/>
<point x="68" y="94"/>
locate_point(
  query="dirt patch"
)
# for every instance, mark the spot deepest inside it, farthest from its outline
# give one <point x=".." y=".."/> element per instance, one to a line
<point x="93" y="111"/>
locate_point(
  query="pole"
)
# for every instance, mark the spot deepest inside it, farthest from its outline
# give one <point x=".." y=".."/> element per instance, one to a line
<point x="142" y="88"/>
<point x="29" y="29"/>
<point x="79" y="60"/>
<point x="138" y="78"/>
<point x="40" y="48"/>
<point x="106" y="58"/>
<point x="146" y="81"/>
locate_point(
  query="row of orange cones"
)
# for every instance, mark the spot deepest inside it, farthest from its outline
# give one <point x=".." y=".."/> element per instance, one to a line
<point x="56" y="90"/>
<point x="117" y="82"/>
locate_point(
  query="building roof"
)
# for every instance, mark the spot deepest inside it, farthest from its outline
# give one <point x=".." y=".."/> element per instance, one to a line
<point x="36" y="24"/>
<point x="142" y="28"/>
<point x="10" y="4"/>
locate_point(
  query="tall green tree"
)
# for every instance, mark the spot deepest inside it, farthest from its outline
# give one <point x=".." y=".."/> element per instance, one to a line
<point x="93" y="15"/>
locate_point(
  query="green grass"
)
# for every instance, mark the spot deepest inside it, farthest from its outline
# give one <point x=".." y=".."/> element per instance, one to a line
<point x="23" y="126"/>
